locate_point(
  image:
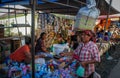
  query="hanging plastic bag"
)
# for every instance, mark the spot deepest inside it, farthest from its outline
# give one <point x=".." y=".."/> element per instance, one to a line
<point x="91" y="3"/>
<point x="86" y="16"/>
<point x="80" y="71"/>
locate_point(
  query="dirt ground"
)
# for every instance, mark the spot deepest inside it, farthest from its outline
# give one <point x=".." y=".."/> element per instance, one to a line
<point x="104" y="68"/>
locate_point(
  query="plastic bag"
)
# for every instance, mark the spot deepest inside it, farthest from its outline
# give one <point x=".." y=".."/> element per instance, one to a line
<point x="96" y="75"/>
<point x="80" y="71"/>
<point x="91" y="3"/>
<point x="86" y="16"/>
<point x="40" y="61"/>
<point x="58" y="48"/>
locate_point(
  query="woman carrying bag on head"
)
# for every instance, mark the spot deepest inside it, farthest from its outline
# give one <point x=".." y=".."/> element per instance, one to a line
<point x="86" y="53"/>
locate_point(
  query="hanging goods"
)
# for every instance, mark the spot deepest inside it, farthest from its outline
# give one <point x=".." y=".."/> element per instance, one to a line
<point x="86" y="16"/>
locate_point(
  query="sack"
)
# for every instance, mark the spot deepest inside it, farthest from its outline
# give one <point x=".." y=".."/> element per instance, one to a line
<point x="96" y="75"/>
<point x="85" y="18"/>
<point x="80" y="71"/>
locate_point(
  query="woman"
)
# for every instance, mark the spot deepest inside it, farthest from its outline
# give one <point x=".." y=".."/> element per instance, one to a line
<point x="23" y="53"/>
<point x="87" y="52"/>
<point x="40" y="45"/>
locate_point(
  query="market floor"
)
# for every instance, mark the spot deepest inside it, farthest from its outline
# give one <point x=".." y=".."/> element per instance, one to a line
<point x="115" y="73"/>
<point x="110" y="68"/>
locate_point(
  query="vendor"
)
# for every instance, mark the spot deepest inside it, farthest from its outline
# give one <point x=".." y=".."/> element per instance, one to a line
<point x="40" y="45"/>
<point x="86" y="53"/>
<point x="23" y="53"/>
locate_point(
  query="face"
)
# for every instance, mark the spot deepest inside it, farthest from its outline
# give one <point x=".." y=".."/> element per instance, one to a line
<point x="44" y="36"/>
<point x="85" y="38"/>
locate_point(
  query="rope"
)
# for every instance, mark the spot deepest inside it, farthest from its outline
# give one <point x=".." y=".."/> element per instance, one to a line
<point x="98" y="1"/>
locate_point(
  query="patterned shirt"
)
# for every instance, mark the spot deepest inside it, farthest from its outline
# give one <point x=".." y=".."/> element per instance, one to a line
<point x="40" y="43"/>
<point x="88" y="52"/>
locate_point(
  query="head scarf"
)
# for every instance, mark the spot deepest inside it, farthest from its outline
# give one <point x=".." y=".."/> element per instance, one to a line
<point x="91" y="34"/>
<point x="88" y="32"/>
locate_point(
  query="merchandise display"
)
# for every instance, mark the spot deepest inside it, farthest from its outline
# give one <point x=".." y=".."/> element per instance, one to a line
<point x="52" y="25"/>
<point x="103" y="47"/>
<point x="50" y="69"/>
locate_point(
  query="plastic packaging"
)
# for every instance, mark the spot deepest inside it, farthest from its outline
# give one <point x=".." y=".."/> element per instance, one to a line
<point x="58" y="48"/>
<point x="91" y="3"/>
<point x="40" y="61"/>
<point x="80" y="71"/>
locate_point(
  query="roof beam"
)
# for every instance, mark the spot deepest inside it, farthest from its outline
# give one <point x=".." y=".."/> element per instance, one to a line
<point x="16" y="12"/>
<point x="59" y="8"/>
<point x="58" y="3"/>
<point x="8" y="2"/>
<point x="13" y="8"/>
<point x="80" y="2"/>
<point x="68" y="12"/>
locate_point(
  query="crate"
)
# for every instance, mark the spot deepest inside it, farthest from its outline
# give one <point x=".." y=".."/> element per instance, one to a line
<point x="15" y="43"/>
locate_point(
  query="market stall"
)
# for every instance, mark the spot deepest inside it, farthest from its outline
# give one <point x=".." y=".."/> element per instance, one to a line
<point x="54" y="68"/>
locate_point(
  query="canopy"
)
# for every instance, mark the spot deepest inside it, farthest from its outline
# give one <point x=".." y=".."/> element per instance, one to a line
<point x="67" y="7"/>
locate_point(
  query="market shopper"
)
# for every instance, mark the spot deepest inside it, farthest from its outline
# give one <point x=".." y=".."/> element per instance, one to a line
<point x="86" y="53"/>
<point x="23" y="54"/>
<point x="40" y="44"/>
<point x="106" y="37"/>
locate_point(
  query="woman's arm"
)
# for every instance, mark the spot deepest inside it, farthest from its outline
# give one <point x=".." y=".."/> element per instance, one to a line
<point x="84" y="64"/>
<point x="44" y="49"/>
<point x="29" y="57"/>
<point x="66" y="53"/>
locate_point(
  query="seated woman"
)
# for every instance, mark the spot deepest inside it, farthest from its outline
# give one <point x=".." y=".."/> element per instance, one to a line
<point x="23" y="53"/>
<point x="40" y="45"/>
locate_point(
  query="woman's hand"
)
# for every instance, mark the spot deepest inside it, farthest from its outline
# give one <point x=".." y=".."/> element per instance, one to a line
<point x="41" y="56"/>
<point x="62" y="54"/>
<point x="84" y="64"/>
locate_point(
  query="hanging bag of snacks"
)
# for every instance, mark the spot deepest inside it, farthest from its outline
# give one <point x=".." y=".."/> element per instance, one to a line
<point x="86" y="16"/>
